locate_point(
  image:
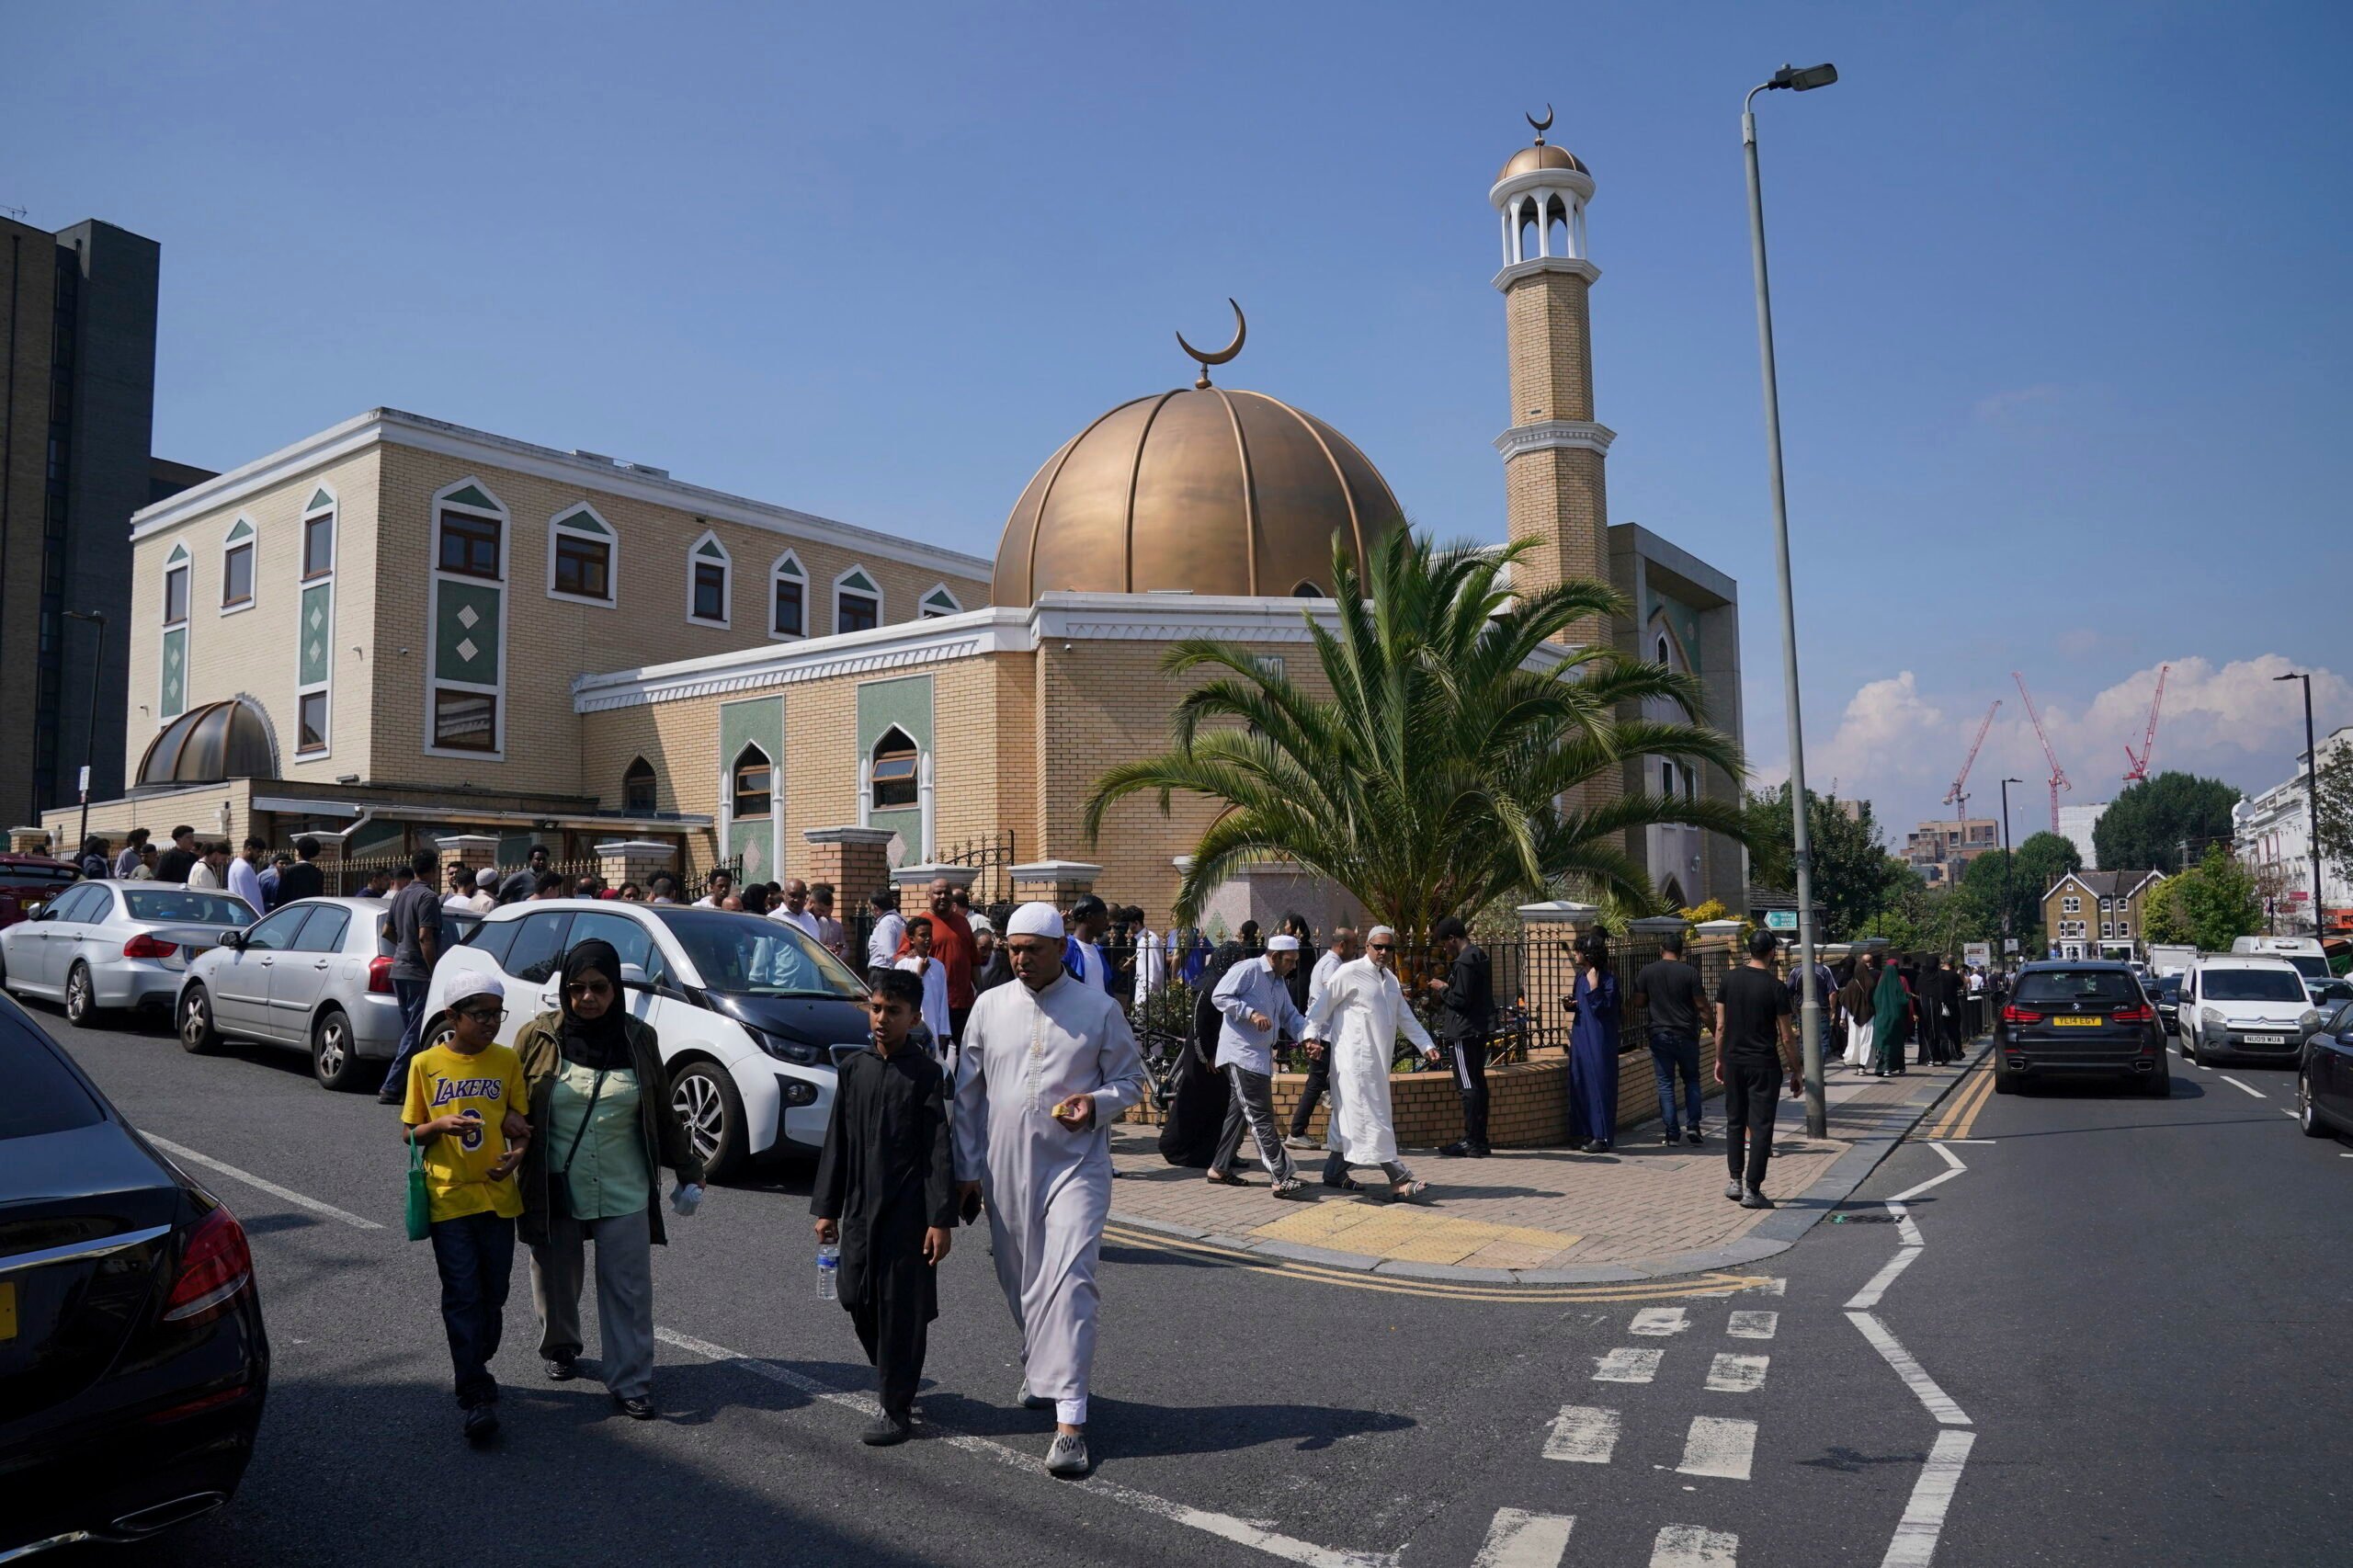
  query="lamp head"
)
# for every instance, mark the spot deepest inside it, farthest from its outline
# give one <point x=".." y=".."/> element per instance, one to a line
<point x="1804" y="78"/>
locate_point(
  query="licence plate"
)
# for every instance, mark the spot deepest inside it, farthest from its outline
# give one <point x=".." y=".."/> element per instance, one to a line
<point x="2266" y="1039"/>
<point x="2077" y="1023"/>
<point x="7" y="1310"/>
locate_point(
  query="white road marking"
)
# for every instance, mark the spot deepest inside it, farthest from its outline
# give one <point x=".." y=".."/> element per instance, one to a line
<point x="1241" y="1532"/>
<point x="1521" y="1539"/>
<point x="1908" y="1227"/>
<point x="1770" y="1288"/>
<point x="1942" y="1141"/>
<point x="1689" y="1546"/>
<point x="1737" y="1374"/>
<point x="1953" y="1159"/>
<point x="1868" y="1297"/>
<point x="289" y="1194"/>
<point x="1627" y="1365"/>
<point x="2233" y="1083"/>
<point x="1916" y="1377"/>
<point x="1754" y="1325"/>
<point x="1941" y="1177"/>
<point x="1660" y="1319"/>
<point x="2288" y="1113"/>
<point x="1720" y="1447"/>
<point x="1583" y="1435"/>
<point x="1924" y="1516"/>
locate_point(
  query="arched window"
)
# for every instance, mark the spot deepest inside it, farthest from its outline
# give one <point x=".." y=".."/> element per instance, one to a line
<point x="637" y="787"/>
<point x="473" y="535"/>
<point x="1665" y="654"/>
<point x="896" y="763"/>
<point x="176" y="572"/>
<point x="858" y="602"/>
<point x="787" y="597"/>
<point x="581" y="566"/>
<point x="708" y="565"/>
<point x="237" y="566"/>
<point x="754" y="783"/>
<point x="1307" y="590"/>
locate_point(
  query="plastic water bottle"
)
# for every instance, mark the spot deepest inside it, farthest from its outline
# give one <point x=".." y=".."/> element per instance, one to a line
<point x="829" y="1262"/>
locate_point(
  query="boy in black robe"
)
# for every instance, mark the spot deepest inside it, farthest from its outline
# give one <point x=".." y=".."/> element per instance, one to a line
<point x="886" y="1191"/>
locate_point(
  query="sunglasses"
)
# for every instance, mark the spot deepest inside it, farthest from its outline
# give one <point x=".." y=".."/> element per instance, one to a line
<point x="590" y="988"/>
<point x="1383" y="948"/>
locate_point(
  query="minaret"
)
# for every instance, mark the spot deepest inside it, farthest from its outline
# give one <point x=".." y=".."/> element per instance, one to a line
<point x="1552" y="452"/>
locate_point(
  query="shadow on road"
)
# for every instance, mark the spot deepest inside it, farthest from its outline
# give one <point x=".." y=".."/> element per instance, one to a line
<point x="1143" y="1431"/>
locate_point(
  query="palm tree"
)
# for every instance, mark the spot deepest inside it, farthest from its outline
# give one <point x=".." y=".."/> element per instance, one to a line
<point x="1450" y="766"/>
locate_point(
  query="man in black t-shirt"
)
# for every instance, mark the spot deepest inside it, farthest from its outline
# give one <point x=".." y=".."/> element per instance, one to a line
<point x="1755" y="1043"/>
<point x="180" y="858"/>
<point x="1669" y="991"/>
<point x="302" y="879"/>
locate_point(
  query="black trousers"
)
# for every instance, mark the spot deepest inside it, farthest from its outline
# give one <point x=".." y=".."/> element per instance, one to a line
<point x="1319" y="1079"/>
<point x="475" y="1257"/>
<point x="1471" y="1080"/>
<point x="893" y="1329"/>
<point x="1752" y="1098"/>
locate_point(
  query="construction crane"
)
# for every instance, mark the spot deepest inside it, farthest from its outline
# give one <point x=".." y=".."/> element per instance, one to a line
<point x="1958" y="796"/>
<point x="2139" y="771"/>
<point x="2059" y="780"/>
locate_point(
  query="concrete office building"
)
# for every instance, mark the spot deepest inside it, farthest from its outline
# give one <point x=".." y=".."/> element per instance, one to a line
<point x="77" y="402"/>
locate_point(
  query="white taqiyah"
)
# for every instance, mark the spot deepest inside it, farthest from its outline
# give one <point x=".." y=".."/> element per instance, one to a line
<point x="469" y="982"/>
<point x="1378" y="933"/>
<point x="1035" y="920"/>
<point x="1282" y="944"/>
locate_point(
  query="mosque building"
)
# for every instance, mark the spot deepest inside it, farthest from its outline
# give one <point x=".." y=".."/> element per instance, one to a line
<point x="401" y="633"/>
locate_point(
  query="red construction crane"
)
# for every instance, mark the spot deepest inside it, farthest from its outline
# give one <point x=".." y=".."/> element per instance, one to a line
<point x="2140" y="759"/>
<point x="1958" y="796"/>
<point x="2059" y="780"/>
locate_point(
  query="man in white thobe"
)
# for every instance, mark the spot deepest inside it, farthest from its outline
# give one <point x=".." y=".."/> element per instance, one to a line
<point x="1360" y="1015"/>
<point x="1045" y="1066"/>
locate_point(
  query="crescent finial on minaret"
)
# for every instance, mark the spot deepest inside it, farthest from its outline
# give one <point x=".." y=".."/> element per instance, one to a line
<point x="1543" y="125"/>
<point x="1240" y="331"/>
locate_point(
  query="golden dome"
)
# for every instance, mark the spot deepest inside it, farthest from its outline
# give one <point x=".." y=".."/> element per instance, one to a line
<point x="1544" y="155"/>
<point x="1202" y="489"/>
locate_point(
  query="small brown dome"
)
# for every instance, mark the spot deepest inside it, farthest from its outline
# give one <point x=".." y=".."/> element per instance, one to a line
<point x="1544" y="155"/>
<point x="1201" y="490"/>
<point x="207" y="745"/>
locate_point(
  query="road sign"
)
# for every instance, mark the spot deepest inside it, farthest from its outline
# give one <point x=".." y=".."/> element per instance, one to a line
<point x="1977" y="954"/>
<point x="2009" y="944"/>
<point x="1780" y="920"/>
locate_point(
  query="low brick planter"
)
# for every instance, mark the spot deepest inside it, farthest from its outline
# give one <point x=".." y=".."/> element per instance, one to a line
<point x="1528" y="1102"/>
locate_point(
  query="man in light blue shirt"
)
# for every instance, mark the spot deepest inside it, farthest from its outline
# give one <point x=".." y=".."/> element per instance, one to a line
<point x="1254" y="1000"/>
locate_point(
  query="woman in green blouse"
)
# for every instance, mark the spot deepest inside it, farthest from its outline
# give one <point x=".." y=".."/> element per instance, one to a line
<point x="601" y="1125"/>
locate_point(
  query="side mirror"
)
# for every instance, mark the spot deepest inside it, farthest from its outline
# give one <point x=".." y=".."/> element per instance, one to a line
<point x="633" y="978"/>
<point x="234" y="938"/>
<point x="36" y="912"/>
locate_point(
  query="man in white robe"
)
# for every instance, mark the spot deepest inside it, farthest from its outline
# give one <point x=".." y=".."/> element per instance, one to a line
<point x="1046" y="1065"/>
<point x="1358" y="1015"/>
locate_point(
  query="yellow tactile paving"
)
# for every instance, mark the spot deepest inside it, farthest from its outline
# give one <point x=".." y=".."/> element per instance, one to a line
<point x="1410" y="1235"/>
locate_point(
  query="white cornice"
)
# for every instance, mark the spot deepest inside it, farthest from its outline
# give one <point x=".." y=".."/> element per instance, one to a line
<point x="393" y="427"/>
<point x="1503" y="191"/>
<point x="1574" y="267"/>
<point x="1580" y="434"/>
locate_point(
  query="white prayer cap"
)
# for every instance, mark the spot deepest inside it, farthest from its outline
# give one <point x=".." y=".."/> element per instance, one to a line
<point x="1282" y="944"/>
<point x="1035" y="920"/>
<point x="486" y="878"/>
<point x="1380" y="933"/>
<point x="469" y="982"/>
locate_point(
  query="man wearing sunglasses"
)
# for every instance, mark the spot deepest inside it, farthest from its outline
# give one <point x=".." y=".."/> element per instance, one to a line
<point x="1360" y="1015"/>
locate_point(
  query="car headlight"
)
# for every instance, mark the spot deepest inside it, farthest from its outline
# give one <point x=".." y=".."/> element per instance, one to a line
<point x="792" y="1050"/>
<point x="2212" y="1017"/>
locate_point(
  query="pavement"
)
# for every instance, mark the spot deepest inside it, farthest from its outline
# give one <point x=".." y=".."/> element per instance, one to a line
<point x="2072" y="1329"/>
<point x="1645" y="1211"/>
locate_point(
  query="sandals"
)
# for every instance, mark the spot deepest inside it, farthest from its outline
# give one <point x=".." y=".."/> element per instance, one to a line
<point x="1346" y="1184"/>
<point x="1224" y="1178"/>
<point x="1408" y="1191"/>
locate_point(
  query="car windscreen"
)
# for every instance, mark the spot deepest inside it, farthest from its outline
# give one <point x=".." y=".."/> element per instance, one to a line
<point x="22" y="876"/>
<point x="754" y="956"/>
<point x="2252" y="985"/>
<point x="2094" y="987"/>
<point x="36" y="1093"/>
<point x="2312" y="966"/>
<point x="2167" y="988"/>
<point x="179" y="904"/>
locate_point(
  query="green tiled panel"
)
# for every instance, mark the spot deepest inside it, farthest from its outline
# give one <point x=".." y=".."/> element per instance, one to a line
<point x="905" y="701"/>
<point x="465" y="634"/>
<point x="174" y="673"/>
<point x="317" y="655"/>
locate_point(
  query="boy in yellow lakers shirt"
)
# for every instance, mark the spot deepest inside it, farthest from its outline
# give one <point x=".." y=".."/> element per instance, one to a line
<point x="468" y="1108"/>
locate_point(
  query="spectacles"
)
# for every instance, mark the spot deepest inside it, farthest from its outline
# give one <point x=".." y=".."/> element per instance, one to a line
<point x="493" y="1016"/>
<point x="1381" y="948"/>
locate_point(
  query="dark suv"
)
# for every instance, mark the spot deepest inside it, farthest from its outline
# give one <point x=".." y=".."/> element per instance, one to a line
<point x="2080" y="1017"/>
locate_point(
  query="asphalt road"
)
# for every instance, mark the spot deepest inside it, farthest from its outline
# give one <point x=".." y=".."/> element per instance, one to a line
<point x="2126" y="1303"/>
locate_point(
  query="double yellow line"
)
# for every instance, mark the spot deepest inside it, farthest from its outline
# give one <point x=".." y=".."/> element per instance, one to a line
<point x="1701" y="1285"/>
<point x="1957" y="1118"/>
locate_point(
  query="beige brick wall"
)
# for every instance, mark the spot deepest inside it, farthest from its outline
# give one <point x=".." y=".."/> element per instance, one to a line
<point x="1549" y="319"/>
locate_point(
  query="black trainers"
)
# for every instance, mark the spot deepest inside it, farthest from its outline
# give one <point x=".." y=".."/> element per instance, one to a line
<point x="1753" y="1198"/>
<point x="1456" y="1150"/>
<point x="482" y="1424"/>
<point x="1668" y="1137"/>
<point x="886" y="1429"/>
<point x="1694" y="1136"/>
<point x="562" y="1368"/>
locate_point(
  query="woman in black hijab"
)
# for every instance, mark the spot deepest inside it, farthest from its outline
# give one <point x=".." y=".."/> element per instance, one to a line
<point x="602" y="1125"/>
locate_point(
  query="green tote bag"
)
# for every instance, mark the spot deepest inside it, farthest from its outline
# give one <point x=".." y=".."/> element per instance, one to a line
<point x="420" y="1200"/>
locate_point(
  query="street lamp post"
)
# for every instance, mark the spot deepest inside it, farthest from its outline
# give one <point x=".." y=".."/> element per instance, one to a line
<point x="2312" y="792"/>
<point x="90" y="740"/>
<point x="1817" y="1116"/>
<point x="2006" y="901"/>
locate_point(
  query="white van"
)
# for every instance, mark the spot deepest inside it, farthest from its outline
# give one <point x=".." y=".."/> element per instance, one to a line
<point x="2304" y="952"/>
<point x="2251" y="1004"/>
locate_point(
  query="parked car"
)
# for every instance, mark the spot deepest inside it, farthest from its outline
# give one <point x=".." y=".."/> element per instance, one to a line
<point x="30" y="882"/>
<point x="133" y="1363"/>
<point x="753" y="1014"/>
<point x="316" y="974"/>
<point x="2165" y="992"/>
<point x="2324" y="1077"/>
<point x="105" y="945"/>
<point x="2327" y="994"/>
<point x="2244" y="1005"/>
<point x="2080" y="1017"/>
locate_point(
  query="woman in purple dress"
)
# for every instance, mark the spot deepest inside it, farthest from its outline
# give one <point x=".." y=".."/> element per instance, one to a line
<point x="1593" y="1048"/>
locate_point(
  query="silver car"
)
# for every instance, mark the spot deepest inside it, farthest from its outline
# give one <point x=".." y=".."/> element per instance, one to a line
<point x="99" y="946"/>
<point x="316" y="974"/>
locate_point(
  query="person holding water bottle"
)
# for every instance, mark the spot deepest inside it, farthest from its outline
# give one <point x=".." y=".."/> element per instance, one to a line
<point x="885" y="1198"/>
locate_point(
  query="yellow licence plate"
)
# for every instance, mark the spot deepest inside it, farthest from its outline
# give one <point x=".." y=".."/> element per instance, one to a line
<point x="2077" y="1023"/>
<point x="7" y="1310"/>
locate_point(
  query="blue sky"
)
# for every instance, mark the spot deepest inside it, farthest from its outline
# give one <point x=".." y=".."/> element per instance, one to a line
<point x="2059" y="289"/>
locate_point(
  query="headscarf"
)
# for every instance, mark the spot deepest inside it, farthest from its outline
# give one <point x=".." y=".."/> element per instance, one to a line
<point x="601" y="1043"/>
<point x="1888" y="1003"/>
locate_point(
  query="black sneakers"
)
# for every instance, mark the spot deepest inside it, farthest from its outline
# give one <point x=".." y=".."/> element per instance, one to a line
<point x="481" y="1423"/>
<point x="886" y="1430"/>
<point x="1753" y="1198"/>
<point x="562" y="1369"/>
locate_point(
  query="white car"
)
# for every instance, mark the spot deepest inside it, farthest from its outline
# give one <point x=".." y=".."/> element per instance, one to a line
<point x="752" y="1014"/>
<point x="2247" y="1006"/>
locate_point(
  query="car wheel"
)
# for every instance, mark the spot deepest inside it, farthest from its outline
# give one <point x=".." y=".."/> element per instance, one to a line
<point x="2308" y="1115"/>
<point x="198" y="1037"/>
<point x="2004" y="1082"/>
<point x="2160" y="1084"/>
<point x="706" y="1101"/>
<point x="81" y="996"/>
<point x="332" y="1061"/>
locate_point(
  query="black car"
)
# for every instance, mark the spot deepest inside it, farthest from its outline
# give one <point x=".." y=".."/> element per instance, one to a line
<point x="2324" y="1077"/>
<point x="133" y="1364"/>
<point x="2080" y="1017"/>
<point x="2165" y="992"/>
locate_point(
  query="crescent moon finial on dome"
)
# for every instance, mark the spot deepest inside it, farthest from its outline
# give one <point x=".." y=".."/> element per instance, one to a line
<point x="1543" y="125"/>
<point x="1240" y="331"/>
